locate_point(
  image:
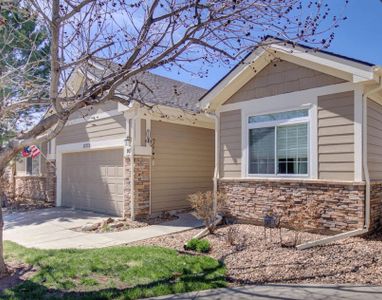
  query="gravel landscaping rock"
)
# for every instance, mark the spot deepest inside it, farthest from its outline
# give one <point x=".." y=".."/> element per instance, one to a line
<point x="90" y="226"/>
<point x="250" y="259"/>
<point x="120" y="224"/>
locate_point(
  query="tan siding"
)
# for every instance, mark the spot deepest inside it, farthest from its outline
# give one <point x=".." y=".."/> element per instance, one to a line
<point x="109" y="128"/>
<point x="44" y="149"/>
<point x="230" y="144"/>
<point x="183" y="164"/>
<point x="95" y="109"/>
<point x="374" y="139"/>
<point x="336" y="136"/>
<point x="283" y="78"/>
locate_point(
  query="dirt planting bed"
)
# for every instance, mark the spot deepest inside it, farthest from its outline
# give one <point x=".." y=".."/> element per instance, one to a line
<point x="251" y="259"/>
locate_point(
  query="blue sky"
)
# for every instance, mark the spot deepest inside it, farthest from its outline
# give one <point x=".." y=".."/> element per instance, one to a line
<point x="360" y="37"/>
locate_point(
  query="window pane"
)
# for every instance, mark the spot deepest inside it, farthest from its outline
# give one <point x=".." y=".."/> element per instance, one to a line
<point x="33" y="166"/>
<point x="262" y="150"/>
<point x="29" y="165"/>
<point x="279" y="116"/>
<point x="292" y="149"/>
<point x="36" y="166"/>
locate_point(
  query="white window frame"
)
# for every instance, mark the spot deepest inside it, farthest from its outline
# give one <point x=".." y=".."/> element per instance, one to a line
<point x="39" y="166"/>
<point x="293" y="121"/>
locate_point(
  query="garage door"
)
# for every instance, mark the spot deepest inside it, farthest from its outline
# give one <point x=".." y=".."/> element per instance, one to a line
<point x="93" y="180"/>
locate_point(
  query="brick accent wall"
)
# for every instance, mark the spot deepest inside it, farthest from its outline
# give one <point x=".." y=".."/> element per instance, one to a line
<point x="376" y="205"/>
<point x="343" y="202"/>
<point x="142" y="165"/>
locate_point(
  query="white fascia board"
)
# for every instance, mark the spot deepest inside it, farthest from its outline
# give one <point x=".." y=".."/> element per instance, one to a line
<point x="357" y="74"/>
<point x="177" y="116"/>
<point x="239" y="76"/>
<point x="243" y="67"/>
<point x="89" y="146"/>
<point x="94" y="117"/>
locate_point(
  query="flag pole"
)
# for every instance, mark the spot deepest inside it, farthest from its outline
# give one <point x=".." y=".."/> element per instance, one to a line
<point x="52" y="164"/>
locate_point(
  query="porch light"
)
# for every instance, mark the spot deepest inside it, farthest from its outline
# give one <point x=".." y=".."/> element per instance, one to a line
<point x="148" y="139"/>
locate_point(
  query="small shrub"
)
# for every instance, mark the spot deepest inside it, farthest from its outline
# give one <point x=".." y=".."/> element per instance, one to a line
<point x="202" y="246"/>
<point x="231" y="236"/>
<point x="236" y="238"/>
<point x="202" y="203"/>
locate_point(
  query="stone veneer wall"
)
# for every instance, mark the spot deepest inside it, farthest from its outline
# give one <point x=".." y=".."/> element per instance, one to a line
<point x="51" y="182"/>
<point x="376" y="205"/>
<point x="33" y="191"/>
<point x="141" y="186"/>
<point x="30" y="189"/>
<point x="343" y="202"/>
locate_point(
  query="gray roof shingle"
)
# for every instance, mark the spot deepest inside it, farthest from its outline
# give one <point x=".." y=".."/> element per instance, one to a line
<point x="156" y="89"/>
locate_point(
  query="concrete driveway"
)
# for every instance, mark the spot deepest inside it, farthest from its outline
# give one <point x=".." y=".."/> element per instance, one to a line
<point x="51" y="229"/>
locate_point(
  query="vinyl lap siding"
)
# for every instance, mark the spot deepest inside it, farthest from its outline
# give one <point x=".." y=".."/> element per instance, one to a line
<point x="281" y="78"/>
<point x="183" y="163"/>
<point x="94" y="109"/>
<point x="230" y="144"/>
<point x="374" y="139"/>
<point x="336" y="136"/>
<point x="104" y="129"/>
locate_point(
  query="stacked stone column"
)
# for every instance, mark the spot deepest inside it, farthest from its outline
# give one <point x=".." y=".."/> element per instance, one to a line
<point x="141" y="187"/>
<point x="51" y="182"/>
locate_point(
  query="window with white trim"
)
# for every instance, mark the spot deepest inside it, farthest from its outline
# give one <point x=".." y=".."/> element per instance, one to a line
<point x="32" y="165"/>
<point x="278" y="143"/>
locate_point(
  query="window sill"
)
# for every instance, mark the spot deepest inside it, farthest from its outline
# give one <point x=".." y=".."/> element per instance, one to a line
<point x="30" y="176"/>
<point x="290" y="179"/>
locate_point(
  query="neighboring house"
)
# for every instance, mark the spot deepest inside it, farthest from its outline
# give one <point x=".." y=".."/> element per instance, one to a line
<point x="130" y="161"/>
<point x="298" y="124"/>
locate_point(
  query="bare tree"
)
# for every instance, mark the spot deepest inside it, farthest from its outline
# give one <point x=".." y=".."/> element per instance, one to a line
<point x="137" y="36"/>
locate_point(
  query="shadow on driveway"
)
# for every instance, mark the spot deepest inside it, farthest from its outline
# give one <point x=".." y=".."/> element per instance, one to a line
<point x="40" y="216"/>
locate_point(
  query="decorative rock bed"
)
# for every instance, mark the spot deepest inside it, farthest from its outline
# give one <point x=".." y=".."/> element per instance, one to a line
<point x="121" y="224"/>
<point x="250" y="259"/>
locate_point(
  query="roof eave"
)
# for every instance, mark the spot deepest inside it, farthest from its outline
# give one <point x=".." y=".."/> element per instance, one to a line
<point x="236" y="78"/>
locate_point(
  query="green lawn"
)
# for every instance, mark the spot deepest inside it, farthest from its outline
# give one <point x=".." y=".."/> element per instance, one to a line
<point x="112" y="273"/>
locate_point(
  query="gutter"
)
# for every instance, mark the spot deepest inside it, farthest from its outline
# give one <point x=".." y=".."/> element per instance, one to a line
<point x="366" y="225"/>
<point x="216" y="169"/>
<point x="219" y="218"/>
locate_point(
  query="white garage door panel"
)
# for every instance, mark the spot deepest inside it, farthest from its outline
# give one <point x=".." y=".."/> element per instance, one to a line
<point x="93" y="180"/>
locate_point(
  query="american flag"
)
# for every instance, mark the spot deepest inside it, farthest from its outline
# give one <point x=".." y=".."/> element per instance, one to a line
<point x="31" y="151"/>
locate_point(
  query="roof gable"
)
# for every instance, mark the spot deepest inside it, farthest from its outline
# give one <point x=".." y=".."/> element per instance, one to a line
<point x="333" y="65"/>
<point x="280" y="78"/>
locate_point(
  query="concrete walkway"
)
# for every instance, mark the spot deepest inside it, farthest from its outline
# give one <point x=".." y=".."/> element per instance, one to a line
<point x="286" y="291"/>
<point x="51" y="229"/>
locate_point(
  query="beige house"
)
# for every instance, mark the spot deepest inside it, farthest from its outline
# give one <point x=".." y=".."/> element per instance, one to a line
<point x="294" y="124"/>
<point x="132" y="161"/>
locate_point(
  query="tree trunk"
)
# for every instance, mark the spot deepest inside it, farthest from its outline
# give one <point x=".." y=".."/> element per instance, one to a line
<point x="3" y="267"/>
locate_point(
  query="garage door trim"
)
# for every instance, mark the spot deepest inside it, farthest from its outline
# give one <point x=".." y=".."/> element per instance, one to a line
<point x="79" y="147"/>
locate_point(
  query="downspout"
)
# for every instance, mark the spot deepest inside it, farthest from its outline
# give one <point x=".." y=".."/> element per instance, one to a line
<point x="215" y="179"/>
<point x="366" y="225"/>
<point x="216" y="169"/>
